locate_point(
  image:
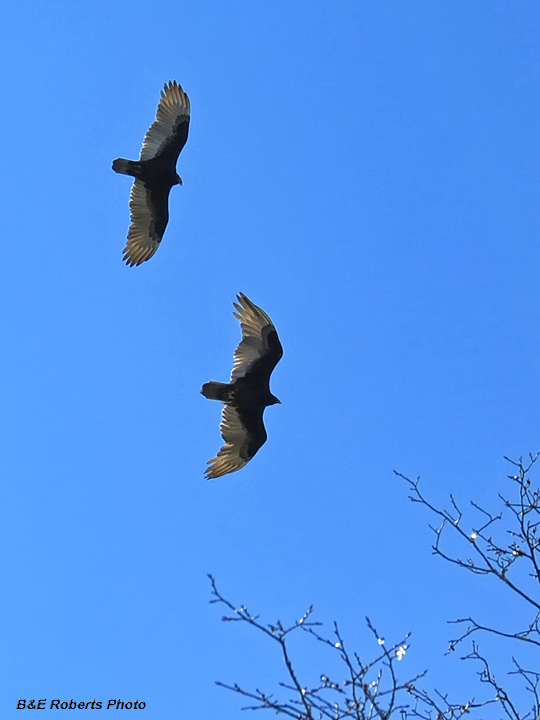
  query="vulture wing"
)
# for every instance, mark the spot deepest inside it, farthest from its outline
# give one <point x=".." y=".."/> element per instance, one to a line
<point x="149" y="210"/>
<point x="169" y="132"/>
<point x="244" y="433"/>
<point x="259" y="351"/>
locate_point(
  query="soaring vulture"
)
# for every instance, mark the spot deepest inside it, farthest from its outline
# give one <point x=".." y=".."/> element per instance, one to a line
<point x="155" y="174"/>
<point x="248" y="392"/>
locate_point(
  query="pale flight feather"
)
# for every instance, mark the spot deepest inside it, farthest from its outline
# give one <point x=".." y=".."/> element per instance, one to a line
<point x="229" y="457"/>
<point x="143" y="240"/>
<point x="252" y="321"/>
<point x="173" y="109"/>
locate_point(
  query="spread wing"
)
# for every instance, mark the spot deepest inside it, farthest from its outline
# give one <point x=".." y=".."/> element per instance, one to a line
<point x="149" y="210"/>
<point x="244" y="434"/>
<point x="169" y="132"/>
<point x="259" y="351"/>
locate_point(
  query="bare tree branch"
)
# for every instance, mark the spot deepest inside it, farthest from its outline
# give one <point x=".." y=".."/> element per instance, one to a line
<point x="370" y="691"/>
<point x="505" y="545"/>
<point x="491" y="557"/>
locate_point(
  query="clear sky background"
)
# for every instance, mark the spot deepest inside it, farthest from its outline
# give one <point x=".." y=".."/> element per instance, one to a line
<point x="366" y="171"/>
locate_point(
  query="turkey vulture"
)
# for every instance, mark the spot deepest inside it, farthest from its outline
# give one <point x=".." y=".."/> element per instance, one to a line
<point x="248" y="392"/>
<point x="155" y="174"/>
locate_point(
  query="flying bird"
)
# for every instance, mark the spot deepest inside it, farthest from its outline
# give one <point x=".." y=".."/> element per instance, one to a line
<point x="248" y="392"/>
<point x="155" y="174"/>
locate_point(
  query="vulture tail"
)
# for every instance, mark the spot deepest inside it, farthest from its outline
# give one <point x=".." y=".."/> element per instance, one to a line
<point x="126" y="167"/>
<point x="216" y="391"/>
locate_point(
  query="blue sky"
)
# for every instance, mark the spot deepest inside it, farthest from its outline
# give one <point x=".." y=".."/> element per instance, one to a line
<point x="368" y="173"/>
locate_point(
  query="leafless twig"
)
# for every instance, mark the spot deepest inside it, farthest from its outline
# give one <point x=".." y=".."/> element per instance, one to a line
<point x="505" y="545"/>
<point x="370" y="691"/>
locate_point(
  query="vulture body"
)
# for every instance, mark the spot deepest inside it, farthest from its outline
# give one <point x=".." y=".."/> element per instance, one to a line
<point x="248" y="393"/>
<point x="155" y="174"/>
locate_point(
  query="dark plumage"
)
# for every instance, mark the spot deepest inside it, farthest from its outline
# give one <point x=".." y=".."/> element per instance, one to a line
<point x="155" y="174"/>
<point x="248" y="392"/>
